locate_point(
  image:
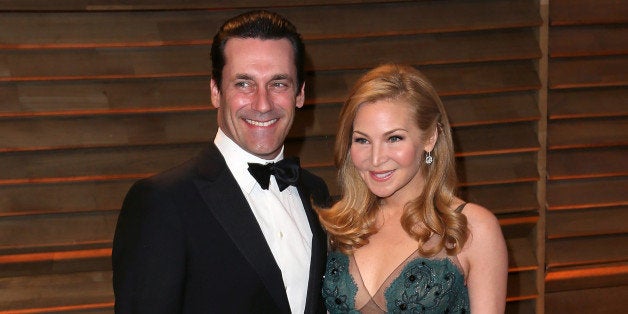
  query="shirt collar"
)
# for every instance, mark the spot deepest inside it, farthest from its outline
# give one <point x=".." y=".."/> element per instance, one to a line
<point x="237" y="160"/>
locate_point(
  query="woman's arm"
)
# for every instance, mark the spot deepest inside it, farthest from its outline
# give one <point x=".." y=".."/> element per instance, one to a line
<point x="486" y="257"/>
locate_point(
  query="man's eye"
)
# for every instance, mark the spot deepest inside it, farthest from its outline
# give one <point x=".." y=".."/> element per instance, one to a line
<point x="243" y="84"/>
<point x="279" y="85"/>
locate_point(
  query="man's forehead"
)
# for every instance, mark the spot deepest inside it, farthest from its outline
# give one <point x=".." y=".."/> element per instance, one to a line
<point x="249" y="58"/>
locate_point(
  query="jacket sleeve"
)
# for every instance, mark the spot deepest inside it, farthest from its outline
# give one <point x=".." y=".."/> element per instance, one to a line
<point x="148" y="255"/>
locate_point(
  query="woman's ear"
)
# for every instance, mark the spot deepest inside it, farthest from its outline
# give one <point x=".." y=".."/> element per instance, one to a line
<point x="431" y="141"/>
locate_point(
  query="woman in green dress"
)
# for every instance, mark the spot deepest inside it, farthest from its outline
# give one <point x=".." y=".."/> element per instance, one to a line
<point x="400" y="239"/>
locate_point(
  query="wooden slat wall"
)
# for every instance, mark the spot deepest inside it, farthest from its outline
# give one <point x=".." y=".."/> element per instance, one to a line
<point x="96" y="94"/>
<point x="587" y="194"/>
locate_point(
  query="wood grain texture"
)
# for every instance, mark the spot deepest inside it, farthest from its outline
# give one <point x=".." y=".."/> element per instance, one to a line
<point x="96" y="94"/>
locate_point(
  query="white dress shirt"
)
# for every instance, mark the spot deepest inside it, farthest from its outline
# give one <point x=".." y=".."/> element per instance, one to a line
<point x="281" y="217"/>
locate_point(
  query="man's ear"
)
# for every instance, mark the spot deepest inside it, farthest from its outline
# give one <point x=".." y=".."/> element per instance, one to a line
<point x="215" y="93"/>
<point x="431" y="142"/>
<point x="301" y="96"/>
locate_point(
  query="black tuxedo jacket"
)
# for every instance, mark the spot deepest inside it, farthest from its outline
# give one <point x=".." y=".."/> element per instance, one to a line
<point x="187" y="242"/>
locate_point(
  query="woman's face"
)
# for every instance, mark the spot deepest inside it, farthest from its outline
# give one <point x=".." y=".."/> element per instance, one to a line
<point x="387" y="149"/>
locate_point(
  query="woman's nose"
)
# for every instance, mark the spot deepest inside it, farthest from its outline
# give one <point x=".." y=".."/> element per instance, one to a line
<point x="378" y="155"/>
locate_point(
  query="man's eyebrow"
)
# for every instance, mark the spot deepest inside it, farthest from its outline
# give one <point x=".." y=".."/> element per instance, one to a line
<point x="281" y="77"/>
<point x="243" y="76"/>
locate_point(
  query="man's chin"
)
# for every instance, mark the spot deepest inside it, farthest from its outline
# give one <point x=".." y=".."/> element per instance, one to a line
<point x="265" y="151"/>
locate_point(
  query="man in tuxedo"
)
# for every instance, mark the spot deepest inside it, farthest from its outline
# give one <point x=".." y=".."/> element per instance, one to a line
<point x="232" y="230"/>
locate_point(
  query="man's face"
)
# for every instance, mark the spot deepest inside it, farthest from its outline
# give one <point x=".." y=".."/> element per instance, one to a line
<point x="258" y="97"/>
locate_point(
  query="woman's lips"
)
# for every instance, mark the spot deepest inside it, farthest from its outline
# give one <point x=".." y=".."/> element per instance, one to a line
<point x="381" y="175"/>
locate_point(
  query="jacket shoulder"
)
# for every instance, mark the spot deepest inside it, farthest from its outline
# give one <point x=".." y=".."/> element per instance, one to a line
<point x="317" y="187"/>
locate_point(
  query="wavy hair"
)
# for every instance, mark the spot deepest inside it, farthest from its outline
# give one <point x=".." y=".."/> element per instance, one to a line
<point x="351" y="220"/>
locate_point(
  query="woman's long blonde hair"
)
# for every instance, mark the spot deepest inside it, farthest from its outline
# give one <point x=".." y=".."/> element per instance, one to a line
<point x="351" y="220"/>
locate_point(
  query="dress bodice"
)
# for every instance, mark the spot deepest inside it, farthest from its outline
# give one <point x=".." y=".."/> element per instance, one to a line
<point x="417" y="285"/>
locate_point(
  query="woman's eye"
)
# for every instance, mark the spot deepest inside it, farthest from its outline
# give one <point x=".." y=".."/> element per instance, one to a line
<point x="395" y="138"/>
<point x="360" y="140"/>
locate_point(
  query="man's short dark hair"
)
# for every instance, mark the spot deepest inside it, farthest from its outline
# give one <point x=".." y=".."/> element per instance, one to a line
<point x="259" y="24"/>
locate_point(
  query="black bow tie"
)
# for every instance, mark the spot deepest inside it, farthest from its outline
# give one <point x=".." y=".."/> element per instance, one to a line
<point x="286" y="172"/>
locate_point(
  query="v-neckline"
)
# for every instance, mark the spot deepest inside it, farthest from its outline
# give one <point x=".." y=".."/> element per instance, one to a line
<point x="359" y="273"/>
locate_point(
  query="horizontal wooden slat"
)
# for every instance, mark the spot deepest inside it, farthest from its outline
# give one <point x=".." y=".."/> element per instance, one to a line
<point x="60" y="132"/>
<point x="101" y="97"/>
<point x="587" y="163"/>
<point x="108" y="5"/>
<point x="597" y="300"/>
<point x="74" y="196"/>
<point x="588" y="72"/>
<point x="494" y="77"/>
<point x="171" y="61"/>
<point x="498" y="169"/>
<point x="520" y="225"/>
<point x="588" y="41"/>
<point x="585" y="133"/>
<point x="51" y="293"/>
<point x="579" y="12"/>
<point x="492" y="139"/>
<point x="93" y="162"/>
<point x="96" y="308"/>
<point x="444" y="49"/>
<point x="523" y="306"/>
<point x="587" y="222"/>
<point x="449" y="80"/>
<point x="54" y="262"/>
<point x="39" y="30"/>
<point x="154" y="28"/>
<point x="521" y="255"/>
<point x="586" y="250"/>
<point x="601" y="192"/>
<point x="503" y="198"/>
<point x="586" y="103"/>
<point x="587" y="277"/>
<point x="28" y="232"/>
<point x="521" y="286"/>
<point x="491" y="108"/>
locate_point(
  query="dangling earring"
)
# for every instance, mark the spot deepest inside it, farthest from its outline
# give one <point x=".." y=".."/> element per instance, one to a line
<point x="428" y="158"/>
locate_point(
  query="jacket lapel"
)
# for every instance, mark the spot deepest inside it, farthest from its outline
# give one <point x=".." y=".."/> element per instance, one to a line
<point x="225" y="201"/>
<point x="319" y="250"/>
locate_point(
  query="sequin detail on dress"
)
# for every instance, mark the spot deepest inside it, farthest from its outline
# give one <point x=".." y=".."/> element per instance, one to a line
<point x="428" y="286"/>
<point x="422" y="286"/>
<point x="339" y="289"/>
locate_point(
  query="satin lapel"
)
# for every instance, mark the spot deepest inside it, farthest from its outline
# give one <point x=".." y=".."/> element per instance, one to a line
<point x="319" y="249"/>
<point x="225" y="201"/>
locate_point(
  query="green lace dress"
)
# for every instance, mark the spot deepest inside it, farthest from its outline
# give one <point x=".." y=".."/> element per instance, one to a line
<point x="418" y="285"/>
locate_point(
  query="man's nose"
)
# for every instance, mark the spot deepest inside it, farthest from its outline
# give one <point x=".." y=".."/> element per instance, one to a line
<point x="262" y="101"/>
